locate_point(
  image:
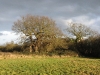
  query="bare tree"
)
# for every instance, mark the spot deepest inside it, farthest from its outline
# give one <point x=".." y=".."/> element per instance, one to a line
<point x="80" y="31"/>
<point x="42" y="28"/>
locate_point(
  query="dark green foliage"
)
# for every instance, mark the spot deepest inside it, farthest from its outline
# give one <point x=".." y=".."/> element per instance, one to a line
<point x="90" y="47"/>
<point x="10" y="47"/>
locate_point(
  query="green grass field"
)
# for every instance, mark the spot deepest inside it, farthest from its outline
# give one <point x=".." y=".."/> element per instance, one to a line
<point x="50" y="66"/>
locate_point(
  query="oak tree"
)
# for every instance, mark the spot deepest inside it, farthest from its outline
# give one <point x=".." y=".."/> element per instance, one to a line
<point x="43" y="29"/>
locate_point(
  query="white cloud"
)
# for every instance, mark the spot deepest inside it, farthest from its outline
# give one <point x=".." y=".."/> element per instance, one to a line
<point x="86" y="20"/>
<point x="81" y="19"/>
<point x="7" y="37"/>
<point x="68" y="21"/>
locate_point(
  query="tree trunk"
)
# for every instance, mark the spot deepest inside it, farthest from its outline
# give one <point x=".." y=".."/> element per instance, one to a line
<point x="31" y="48"/>
<point x="76" y="46"/>
<point x="36" y="49"/>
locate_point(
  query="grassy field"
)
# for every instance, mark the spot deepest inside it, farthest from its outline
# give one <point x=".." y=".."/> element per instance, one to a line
<point x="49" y="66"/>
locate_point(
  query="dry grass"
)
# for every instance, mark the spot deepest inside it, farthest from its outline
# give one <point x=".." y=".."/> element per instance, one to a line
<point x="8" y="55"/>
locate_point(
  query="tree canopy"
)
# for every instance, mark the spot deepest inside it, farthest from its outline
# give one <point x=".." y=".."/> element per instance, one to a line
<point x="80" y="31"/>
<point x="43" y="28"/>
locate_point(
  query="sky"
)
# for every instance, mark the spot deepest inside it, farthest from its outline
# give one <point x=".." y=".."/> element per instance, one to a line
<point x="86" y="12"/>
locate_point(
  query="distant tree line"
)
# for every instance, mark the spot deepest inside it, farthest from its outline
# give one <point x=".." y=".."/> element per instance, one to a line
<point x="40" y="35"/>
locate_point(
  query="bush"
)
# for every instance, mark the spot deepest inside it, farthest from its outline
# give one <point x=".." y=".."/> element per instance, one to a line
<point x="90" y="48"/>
<point x="10" y="47"/>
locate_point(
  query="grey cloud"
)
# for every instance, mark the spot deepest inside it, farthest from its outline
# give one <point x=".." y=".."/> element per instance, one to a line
<point x="52" y="7"/>
<point x="11" y="9"/>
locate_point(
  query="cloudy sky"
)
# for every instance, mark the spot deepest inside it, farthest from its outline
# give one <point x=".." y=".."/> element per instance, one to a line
<point x="62" y="11"/>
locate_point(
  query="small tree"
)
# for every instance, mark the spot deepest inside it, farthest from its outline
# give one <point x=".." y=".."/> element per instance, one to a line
<point x="79" y="31"/>
<point x="42" y="28"/>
